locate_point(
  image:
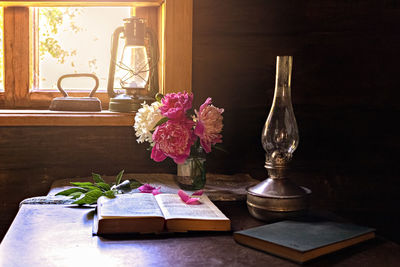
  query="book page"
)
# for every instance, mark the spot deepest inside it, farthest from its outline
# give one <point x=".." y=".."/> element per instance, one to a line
<point x="174" y="208"/>
<point x="128" y="205"/>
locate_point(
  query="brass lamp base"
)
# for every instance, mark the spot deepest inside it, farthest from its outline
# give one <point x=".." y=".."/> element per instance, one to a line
<point x="124" y="103"/>
<point x="128" y="103"/>
<point x="277" y="198"/>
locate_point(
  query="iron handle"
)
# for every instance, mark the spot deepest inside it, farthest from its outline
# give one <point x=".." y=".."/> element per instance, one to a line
<point x="65" y="94"/>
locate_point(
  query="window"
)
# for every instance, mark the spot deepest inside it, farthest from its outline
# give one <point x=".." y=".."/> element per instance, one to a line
<point x="73" y="40"/>
<point x="35" y="55"/>
<point x="1" y="52"/>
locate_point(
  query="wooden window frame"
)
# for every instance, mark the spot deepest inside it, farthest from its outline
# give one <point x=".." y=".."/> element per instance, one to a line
<point x="171" y="19"/>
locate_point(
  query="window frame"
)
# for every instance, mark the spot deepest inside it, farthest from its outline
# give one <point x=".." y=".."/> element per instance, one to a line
<point x="171" y="19"/>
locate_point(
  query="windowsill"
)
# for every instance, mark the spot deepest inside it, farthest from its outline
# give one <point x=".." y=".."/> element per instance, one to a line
<point x="11" y="117"/>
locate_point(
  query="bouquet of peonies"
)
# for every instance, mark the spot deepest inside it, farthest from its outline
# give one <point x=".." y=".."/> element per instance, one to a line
<point x="174" y="133"/>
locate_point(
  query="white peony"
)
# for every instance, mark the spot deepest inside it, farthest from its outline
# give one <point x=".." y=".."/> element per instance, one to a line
<point x="145" y="120"/>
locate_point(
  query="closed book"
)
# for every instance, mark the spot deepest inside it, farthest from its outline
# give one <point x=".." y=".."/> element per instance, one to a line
<point x="302" y="241"/>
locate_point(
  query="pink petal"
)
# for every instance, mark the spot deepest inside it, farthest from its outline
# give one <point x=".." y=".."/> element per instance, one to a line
<point x="193" y="201"/>
<point x="146" y="188"/>
<point x="157" y="155"/>
<point x="185" y="197"/>
<point x="205" y="104"/>
<point x="199" y="129"/>
<point x="205" y="145"/>
<point x="156" y="191"/>
<point x="180" y="159"/>
<point x="188" y="200"/>
<point x="198" y="193"/>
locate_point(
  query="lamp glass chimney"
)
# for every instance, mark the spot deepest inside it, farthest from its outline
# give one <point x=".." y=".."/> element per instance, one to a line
<point x="134" y="68"/>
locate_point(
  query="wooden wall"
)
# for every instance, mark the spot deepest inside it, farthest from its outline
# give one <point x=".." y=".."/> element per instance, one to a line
<point x="345" y="96"/>
<point x="344" y="87"/>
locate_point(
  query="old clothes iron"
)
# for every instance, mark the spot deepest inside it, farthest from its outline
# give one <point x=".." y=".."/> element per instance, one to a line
<point x="67" y="103"/>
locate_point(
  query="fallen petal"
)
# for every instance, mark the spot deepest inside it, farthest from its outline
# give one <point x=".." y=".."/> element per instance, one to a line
<point x="193" y="201"/>
<point x="146" y="188"/>
<point x="198" y="193"/>
<point x="185" y="197"/>
<point x="188" y="200"/>
<point x="156" y="191"/>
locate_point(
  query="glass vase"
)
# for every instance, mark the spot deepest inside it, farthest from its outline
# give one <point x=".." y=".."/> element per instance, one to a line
<point x="191" y="175"/>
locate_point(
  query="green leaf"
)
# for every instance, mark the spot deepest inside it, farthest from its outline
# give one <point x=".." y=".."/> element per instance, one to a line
<point x="119" y="177"/>
<point x="220" y="148"/>
<point x="161" y="121"/>
<point x="97" y="178"/>
<point x="109" y="194"/>
<point x="90" y="197"/>
<point x="89" y="187"/>
<point x="135" y="184"/>
<point x="76" y="195"/>
<point x="159" y="96"/>
<point x="80" y="184"/>
<point x="103" y="186"/>
<point x="70" y="191"/>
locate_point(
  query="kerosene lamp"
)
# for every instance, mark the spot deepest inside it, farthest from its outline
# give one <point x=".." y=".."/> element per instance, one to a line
<point x="135" y="70"/>
<point x="277" y="196"/>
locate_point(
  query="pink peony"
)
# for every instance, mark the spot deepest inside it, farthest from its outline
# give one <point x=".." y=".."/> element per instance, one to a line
<point x="209" y="125"/>
<point x="175" y="105"/>
<point x="173" y="139"/>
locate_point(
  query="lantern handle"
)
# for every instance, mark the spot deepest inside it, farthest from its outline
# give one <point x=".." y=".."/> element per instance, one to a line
<point x="113" y="60"/>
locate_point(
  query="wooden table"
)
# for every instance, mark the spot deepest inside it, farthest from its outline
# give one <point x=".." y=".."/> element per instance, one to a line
<point x="58" y="235"/>
<point x="61" y="235"/>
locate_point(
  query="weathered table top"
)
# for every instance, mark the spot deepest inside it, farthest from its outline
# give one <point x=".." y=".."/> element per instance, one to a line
<point x="59" y="235"/>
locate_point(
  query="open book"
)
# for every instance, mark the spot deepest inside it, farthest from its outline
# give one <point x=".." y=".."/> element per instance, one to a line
<point x="146" y="213"/>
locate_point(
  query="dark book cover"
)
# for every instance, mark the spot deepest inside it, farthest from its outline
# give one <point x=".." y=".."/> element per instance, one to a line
<point x="302" y="241"/>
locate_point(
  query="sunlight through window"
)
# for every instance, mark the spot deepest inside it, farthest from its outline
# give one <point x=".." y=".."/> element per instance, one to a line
<point x="74" y="40"/>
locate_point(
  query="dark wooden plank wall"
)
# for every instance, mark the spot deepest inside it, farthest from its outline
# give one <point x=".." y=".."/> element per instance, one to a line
<point x="345" y="97"/>
<point x="345" y="94"/>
